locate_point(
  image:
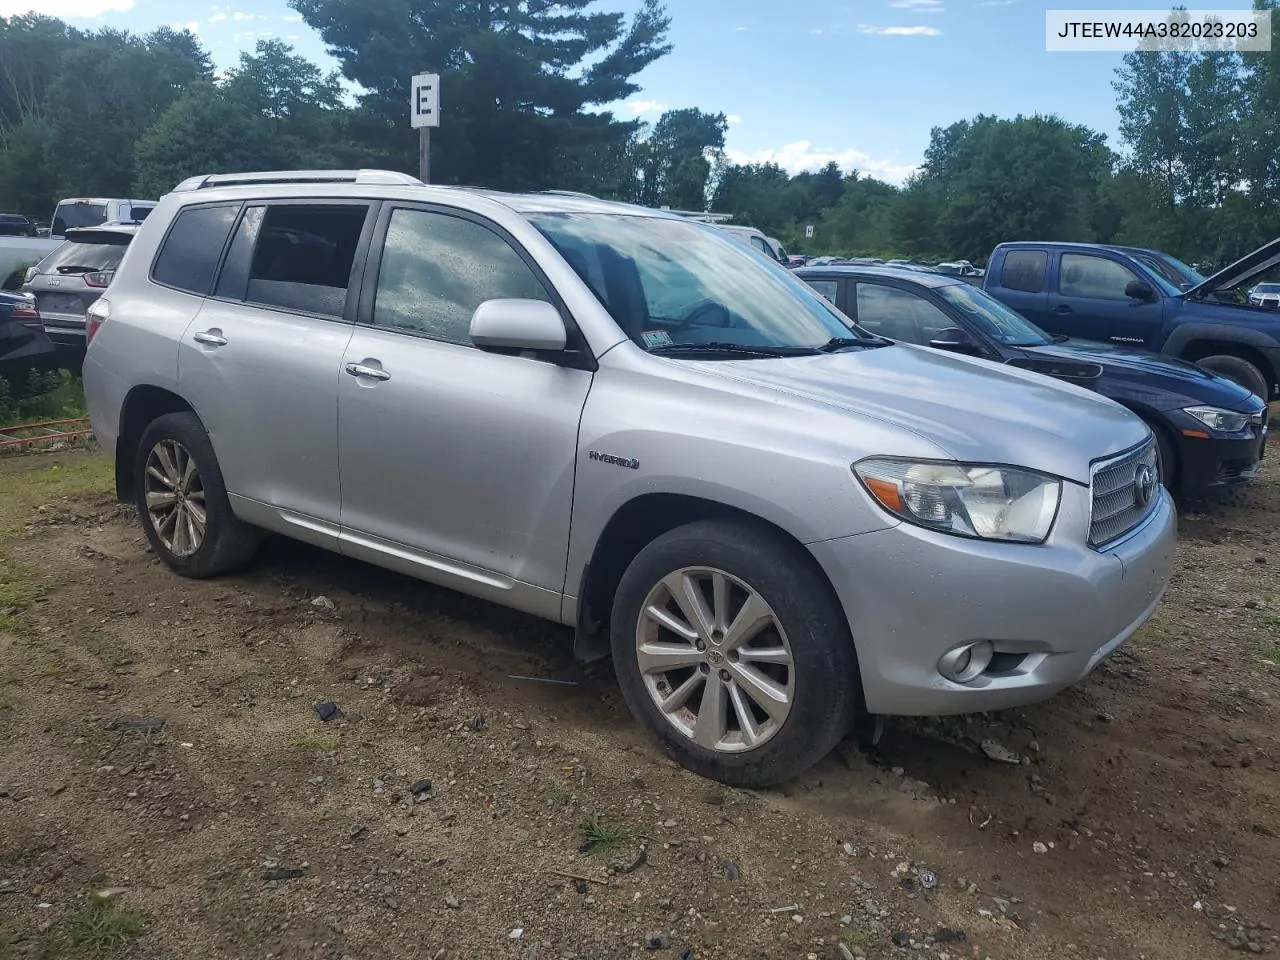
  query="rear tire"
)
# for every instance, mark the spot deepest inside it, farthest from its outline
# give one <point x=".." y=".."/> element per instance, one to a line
<point x="718" y="673"/>
<point x="1240" y="370"/>
<point x="182" y="501"/>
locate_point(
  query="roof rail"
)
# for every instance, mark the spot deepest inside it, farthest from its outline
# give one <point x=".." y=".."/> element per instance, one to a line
<point x="383" y="177"/>
<point x="571" y="193"/>
<point x="699" y="215"/>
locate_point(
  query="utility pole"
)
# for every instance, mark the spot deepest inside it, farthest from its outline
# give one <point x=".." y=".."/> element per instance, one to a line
<point x="424" y="113"/>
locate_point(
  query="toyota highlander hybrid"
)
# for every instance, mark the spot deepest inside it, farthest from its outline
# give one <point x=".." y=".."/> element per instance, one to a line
<point x="628" y="423"/>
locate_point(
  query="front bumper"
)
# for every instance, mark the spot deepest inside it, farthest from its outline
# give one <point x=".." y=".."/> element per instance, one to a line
<point x="1052" y="611"/>
<point x="1221" y="461"/>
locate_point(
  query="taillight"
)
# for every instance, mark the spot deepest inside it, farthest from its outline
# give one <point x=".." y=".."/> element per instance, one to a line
<point x="99" y="312"/>
<point x="29" y="317"/>
<point x="102" y="279"/>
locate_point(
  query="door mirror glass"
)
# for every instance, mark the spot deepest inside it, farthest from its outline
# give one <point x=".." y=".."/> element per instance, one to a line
<point x="518" y="325"/>
<point x="955" y="339"/>
<point x="1139" y="290"/>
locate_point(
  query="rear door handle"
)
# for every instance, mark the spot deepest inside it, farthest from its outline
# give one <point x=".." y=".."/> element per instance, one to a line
<point x="213" y="338"/>
<point x="364" y="370"/>
<point x="1062" y="308"/>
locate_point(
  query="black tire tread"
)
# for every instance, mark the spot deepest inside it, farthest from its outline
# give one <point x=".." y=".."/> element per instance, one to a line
<point x="1240" y="370"/>
<point x="816" y="625"/>
<point x="229" y="542"/>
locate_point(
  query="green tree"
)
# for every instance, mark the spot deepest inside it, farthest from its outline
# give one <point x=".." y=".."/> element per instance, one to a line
<point x="757" y="195"/>
<point x="516" y="77"/>
<point x="203" y="132"/>
<point x="677" y="158"/>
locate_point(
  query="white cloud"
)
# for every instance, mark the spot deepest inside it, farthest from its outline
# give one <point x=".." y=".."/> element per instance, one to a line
<point x="739" y="29"/>
<point x="918" y="6"/>
<point x="66" y="9"/>
<point x="242" y="15"/>
<point x="802" y="155"/>
<point x="292" y="18"/>
<point x="191" y="25"/>
<point x="218" y="17"/>
<point x="732" y="119"/>
<point x="898" y="31"/>
<point x="293" y="37"/>
<point x="641" y="107"/>
<point x="997" y="3"/>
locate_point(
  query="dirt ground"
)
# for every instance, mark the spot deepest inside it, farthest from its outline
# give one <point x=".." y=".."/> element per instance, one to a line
<point x="1143" y="821"/>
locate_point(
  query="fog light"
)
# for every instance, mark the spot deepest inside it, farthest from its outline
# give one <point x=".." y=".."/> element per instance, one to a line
<point x="966" y="661"/>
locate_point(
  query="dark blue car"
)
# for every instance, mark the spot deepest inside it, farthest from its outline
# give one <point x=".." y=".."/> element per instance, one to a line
<point x="1211" y="431"/>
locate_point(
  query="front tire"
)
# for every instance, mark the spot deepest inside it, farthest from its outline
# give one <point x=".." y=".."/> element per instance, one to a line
<point x="182" y="501"/>
<point x="732" y="650"/>
<point x="1241" y="371"/>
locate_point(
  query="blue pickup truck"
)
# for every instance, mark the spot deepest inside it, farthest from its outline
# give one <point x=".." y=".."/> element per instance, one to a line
<point x="1113" y="295"/>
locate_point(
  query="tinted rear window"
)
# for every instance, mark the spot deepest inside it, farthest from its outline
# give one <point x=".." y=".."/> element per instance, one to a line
<point x="1024" y="270"/>
<point x="140" y="213"/>
<point x="70" y="215"/>
<point x="74" y="257"/>
<point x="190" y="254"/>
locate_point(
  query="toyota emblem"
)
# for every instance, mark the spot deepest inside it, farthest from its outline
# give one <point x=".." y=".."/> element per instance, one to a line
<point x="1144" y="485"/>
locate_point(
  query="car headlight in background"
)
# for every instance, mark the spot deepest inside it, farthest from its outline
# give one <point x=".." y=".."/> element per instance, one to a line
<point x="1215" y="418"/>
<point x="969" y="500"/>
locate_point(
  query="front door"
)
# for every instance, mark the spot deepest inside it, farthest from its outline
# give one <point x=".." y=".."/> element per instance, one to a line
<point x="1089" y="301"/>
<point x="457" y="464"/>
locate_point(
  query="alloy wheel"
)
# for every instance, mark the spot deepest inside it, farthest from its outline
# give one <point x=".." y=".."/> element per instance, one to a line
<point x="175" y="498"/>
<point x="715" y="660"/>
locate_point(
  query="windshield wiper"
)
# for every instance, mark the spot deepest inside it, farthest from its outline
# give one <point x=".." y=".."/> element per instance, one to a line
<point x="744" y="349"/>
<point x="75" y="268"/>
<point x="839" y="343"/>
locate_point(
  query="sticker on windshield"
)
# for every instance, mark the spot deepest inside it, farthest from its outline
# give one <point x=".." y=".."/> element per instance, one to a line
<point x="655" y="338"/>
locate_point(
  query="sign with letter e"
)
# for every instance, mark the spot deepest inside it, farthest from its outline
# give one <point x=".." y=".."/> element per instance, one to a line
<point x="424" y="103"/>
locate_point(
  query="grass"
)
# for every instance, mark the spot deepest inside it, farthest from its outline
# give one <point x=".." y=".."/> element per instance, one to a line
<point x="314" y="740"/>
<point x="601" y="837"/>
<point x="58" y="396"/>
<point x="102" y="928"/>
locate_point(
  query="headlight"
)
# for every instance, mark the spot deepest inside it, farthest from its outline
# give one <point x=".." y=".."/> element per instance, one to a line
<point x="969" y="500"/>
<point x="1215" y="418"/>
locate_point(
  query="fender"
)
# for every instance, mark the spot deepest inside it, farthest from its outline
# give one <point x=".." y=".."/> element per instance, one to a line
<point x="1225" y="332"/>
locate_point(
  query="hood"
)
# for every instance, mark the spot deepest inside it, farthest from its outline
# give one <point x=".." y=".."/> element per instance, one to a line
<point x="1185" y="383"/>
<point x="972" y="410"/>
<point x="1242" y="271"/>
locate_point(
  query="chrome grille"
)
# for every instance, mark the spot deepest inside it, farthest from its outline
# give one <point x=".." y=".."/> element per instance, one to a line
<point x="1117" y="509"/>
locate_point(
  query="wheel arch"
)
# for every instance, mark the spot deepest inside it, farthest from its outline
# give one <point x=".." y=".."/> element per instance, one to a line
<point x="142" y="406"/>
<point x="1195" y="342"/>
<point x="633" y="526"/>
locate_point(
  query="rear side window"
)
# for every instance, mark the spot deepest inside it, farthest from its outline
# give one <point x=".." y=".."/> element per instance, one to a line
<point x="1024" y="270"/>
<point x="295" y="256"/>
<point x="189" y="257"/>
<point x="437" y="269"/>
<point x="827" y="288"/>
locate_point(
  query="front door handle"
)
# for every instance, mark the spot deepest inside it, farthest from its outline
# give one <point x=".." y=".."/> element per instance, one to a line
<point x="364" y="370"/>
<point x="212" y="338"/>
<point x="1062" y="308"/>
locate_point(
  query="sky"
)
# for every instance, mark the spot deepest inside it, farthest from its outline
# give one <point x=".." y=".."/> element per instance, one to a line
<point x="801" y="83"/>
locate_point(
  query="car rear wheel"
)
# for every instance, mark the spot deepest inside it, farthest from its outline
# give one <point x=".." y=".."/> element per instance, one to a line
<point x="731" y="649"/>
<point x="183" y="503"/>
<point x="1241" y="371"/>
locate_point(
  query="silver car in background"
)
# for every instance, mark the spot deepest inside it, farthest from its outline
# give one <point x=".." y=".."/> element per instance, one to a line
<point x="628" y="423"/>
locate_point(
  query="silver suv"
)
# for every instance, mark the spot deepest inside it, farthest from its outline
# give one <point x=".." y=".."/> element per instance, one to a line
<point x="628" y="423"/>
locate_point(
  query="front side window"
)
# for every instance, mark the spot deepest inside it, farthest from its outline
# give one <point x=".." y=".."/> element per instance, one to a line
<point x="437" y="269"/>
<point x="992" y="317"/>
<point x="829" y="289"/>
<point x="670" y="283"/>
<point x="899" y="314"/>
<point x="189" y="257"/>
<point x="1093" y="278"/>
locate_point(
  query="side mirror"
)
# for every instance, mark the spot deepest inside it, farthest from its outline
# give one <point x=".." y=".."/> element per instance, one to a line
<point x="957" y="340"/>
<point x="1140" y="290"/>
<point x="518" y="325"/>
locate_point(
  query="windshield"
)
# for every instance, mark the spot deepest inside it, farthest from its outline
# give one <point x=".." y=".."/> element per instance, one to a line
<point x="992" y="317"/>
<point x="1175" y="275"/>
<point x="74" y="257"/>
<point x="669" y="283"/>
<point x="77" y="214"/>
<point x="1267" y="288"/>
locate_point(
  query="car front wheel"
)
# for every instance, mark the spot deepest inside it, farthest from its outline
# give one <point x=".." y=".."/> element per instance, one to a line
<point x="183" y="503"/>
<point x="732" y="650"/>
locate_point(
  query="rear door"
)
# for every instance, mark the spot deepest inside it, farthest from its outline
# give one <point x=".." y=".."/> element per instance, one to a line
<point x="1021" y="283"/>
<point x="260" y="362"/>
<point x="1088" y="300"/>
